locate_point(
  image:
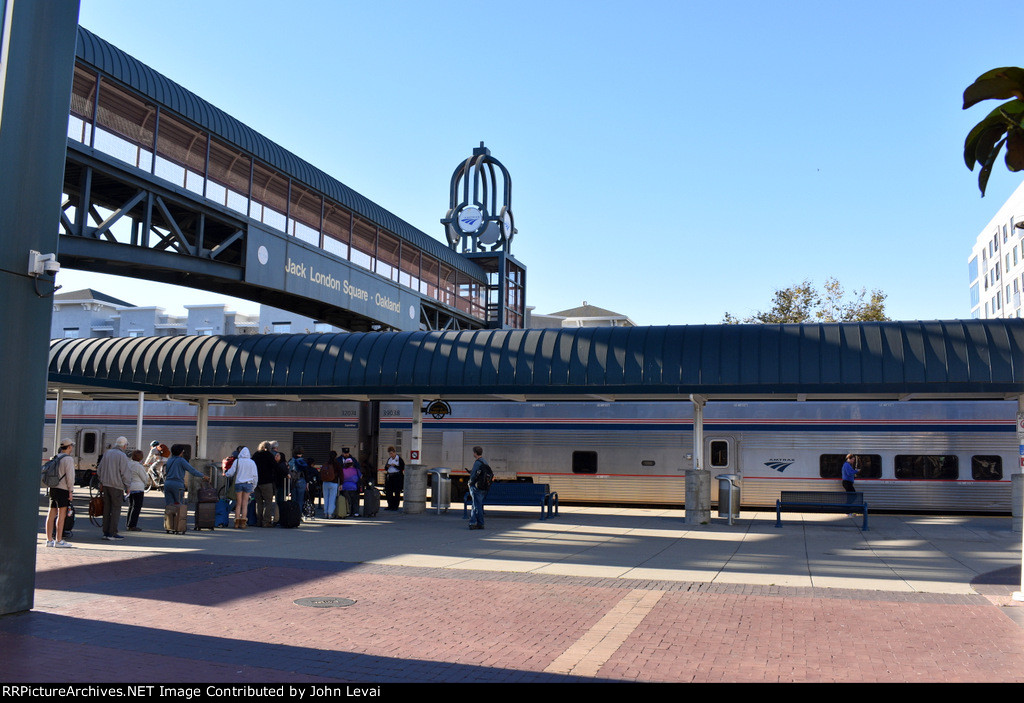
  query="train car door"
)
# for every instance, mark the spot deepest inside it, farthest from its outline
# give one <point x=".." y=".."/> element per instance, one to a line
<point x="88" y="448"/>
<point x="452" y="451"/>
<point x="720" y="458"/>
<point x="720" y="455"/>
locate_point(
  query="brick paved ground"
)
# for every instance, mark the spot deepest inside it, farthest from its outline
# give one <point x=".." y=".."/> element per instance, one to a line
<point x="107" y="615"/>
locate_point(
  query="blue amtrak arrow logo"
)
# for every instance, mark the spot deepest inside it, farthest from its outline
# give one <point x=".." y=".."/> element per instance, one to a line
<point x="779" y="466"/>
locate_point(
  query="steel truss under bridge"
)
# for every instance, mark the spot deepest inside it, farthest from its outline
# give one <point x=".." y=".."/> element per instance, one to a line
<point x="114" y="220"/>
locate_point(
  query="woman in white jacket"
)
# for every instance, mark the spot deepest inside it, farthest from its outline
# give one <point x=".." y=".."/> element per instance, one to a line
<point x="244" y="471"/>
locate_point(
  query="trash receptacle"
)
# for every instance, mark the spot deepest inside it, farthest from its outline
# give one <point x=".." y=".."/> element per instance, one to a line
<point x="728" y="496"/>
<point x="441" y="489"/>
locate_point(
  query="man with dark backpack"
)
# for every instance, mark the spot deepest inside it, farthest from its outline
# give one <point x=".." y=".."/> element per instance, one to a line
<point x="480" y="478"/>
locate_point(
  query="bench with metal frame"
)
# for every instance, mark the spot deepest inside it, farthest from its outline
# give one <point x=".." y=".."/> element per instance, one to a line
<point x="822" y="501"/>
<point x="517" y="493"/>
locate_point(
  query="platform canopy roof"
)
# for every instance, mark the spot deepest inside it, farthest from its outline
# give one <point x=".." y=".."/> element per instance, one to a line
<point x="883" y="360"/>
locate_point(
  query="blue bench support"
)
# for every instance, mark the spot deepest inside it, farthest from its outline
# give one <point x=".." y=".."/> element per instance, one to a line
<point x="508" y="493"/>
<point x="823" y="501"/>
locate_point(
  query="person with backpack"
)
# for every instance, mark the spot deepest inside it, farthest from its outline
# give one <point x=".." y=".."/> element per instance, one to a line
<point x="330" y="474"/>
<point x="60" y="495"/>
<point x="154" y="462"/>
<point x="298" y="470"/>
<point x="480" y="478"/>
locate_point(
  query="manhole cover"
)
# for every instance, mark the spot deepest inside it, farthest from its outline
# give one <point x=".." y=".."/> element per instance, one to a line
<point x="325" y="602"/>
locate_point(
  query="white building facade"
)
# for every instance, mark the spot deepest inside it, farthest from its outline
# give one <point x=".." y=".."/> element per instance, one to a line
<point x="995" y="268"/>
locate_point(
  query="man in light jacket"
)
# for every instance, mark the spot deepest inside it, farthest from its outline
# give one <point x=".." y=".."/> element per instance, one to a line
<point x="115" y="475"/>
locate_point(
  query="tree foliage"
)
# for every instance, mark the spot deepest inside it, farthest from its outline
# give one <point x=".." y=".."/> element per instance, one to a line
<point x="805" y="303"/>
<point x="1003" y="126"/>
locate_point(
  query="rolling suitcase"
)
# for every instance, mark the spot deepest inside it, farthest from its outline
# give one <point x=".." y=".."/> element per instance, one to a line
<point x="341" y="506"/>
<point x="206" y="516"/>
<point x="371" y="501"/>
<point x="176" y="518"/>
<point x="223" y="513"/>
<point x="291" y="514"/>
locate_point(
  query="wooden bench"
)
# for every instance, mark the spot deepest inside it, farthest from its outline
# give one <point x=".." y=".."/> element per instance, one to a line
<point x="516" y="493"/>
<point x="822" y="501"/>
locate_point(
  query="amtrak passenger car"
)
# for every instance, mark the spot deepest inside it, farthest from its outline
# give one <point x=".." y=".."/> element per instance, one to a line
<point x="914" y="455"/>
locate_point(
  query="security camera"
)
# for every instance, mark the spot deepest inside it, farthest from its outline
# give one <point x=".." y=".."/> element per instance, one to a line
<point x="40" y="264"/>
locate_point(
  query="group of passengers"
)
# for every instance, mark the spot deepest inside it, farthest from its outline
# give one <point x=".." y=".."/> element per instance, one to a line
<point x="122" y="476"/>
<point x="264" y="477"/>
<point x="267" y="475"/>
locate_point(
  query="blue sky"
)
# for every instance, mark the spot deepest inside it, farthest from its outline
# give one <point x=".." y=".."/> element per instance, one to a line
<point x="672" y="161"/>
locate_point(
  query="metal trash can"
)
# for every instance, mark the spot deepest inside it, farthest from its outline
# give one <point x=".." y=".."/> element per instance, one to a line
<point x="728" y="496"/>
<point x="441" y="489"/>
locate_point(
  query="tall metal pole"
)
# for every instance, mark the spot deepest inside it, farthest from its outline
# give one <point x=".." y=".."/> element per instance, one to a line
<point x="58" y="418"/>
<point x="138" y="420"/>
<point x="37" y="54"/>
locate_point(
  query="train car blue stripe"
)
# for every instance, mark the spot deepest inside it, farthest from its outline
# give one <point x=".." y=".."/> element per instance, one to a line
<point x="712" y="427"/>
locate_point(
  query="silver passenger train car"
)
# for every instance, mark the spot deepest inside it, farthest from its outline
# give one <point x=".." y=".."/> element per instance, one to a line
<point x="916" y="455"/>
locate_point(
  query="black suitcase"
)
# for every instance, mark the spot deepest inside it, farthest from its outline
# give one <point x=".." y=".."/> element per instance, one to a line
<point x="206" y="516"/>
<point x="371" y="501"/>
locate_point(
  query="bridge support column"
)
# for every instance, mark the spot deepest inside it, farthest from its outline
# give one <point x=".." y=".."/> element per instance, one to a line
<point x="698" y="480"/>
<point x="37" y="54"/>
<point x="203" y="428"/>
<point x="414" y="492"/>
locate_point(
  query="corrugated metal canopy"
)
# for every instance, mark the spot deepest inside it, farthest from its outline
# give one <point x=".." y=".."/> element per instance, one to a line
<point x="962" y="358"/>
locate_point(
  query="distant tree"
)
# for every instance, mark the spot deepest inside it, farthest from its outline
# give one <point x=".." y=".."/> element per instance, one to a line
<point x="805" y="303"/>
<point x="1004" y="125"/>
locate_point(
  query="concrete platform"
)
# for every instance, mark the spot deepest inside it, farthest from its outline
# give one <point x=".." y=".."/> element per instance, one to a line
<point x="596" y="594"/>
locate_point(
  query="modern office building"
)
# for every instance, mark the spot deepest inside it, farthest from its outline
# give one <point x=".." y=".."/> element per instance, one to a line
<point x="996" y="264"/>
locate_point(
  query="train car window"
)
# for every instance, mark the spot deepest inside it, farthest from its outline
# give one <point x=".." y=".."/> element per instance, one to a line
<point x="88" y="442"/>
<point x="868" y="465"/>
<point x="584" y="462"/>
<point x="927" y="466"/>
<point x="719" y="453"/>
<point x="986" y="468"/>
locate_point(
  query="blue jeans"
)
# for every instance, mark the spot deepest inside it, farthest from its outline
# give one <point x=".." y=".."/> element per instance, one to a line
<point x="173" y="492"/>
<point x="299" y="492"/>
<point x="330" y="498"/>
<point x="476" y="514"/>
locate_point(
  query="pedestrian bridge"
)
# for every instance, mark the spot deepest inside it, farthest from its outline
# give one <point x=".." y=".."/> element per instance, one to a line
<point x="160" y="184"/>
